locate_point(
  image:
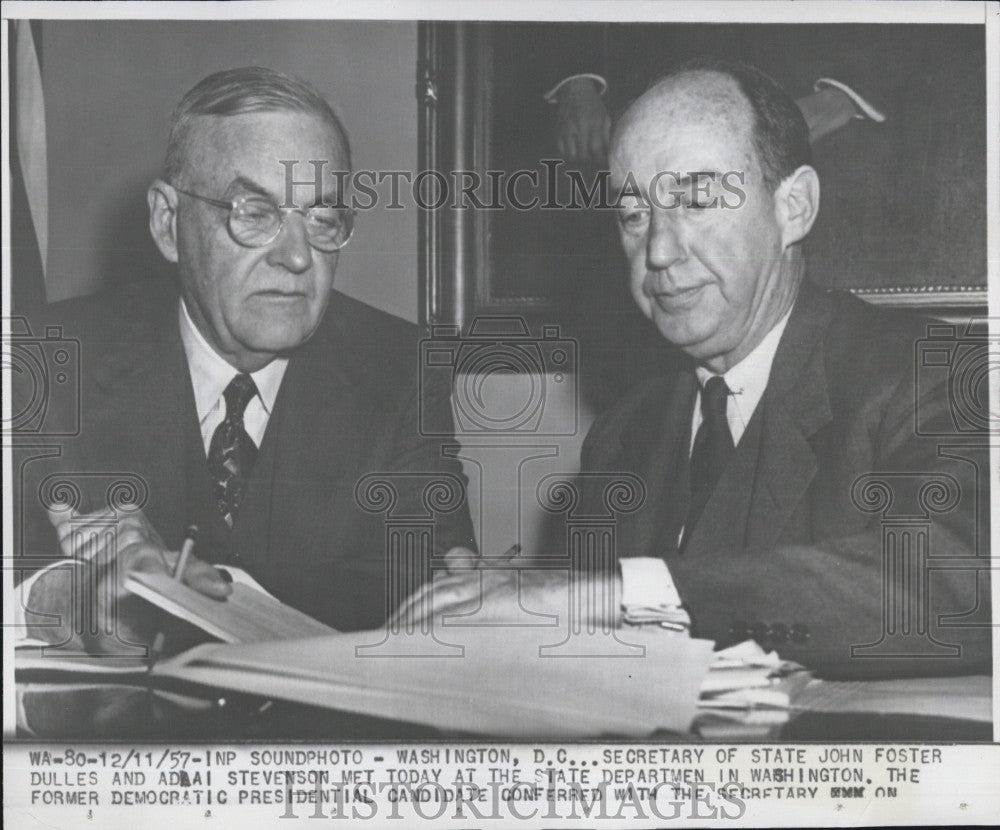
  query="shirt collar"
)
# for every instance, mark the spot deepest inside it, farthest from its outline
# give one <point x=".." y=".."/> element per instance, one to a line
<point x="211" y="374"/>
<point x="748" y="378"/>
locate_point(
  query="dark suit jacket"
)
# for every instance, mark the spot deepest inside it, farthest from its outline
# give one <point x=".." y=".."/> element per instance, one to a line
<point x="782" y="551"/>
<point x="347" y="406"/>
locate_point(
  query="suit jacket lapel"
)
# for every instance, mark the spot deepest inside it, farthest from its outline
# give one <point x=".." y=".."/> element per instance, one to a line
<point x="655" y="443"/>
<point x="795" y="406"/>
<point x="151" y="424"/>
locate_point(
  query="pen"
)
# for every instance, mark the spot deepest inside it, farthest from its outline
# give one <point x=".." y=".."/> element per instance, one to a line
<point x="177" y="575"/>
<point x="511" y="552"/>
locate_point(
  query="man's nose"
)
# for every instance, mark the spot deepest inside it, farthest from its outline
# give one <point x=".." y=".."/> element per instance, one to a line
<point x="291" y="249"/>
<point x="664" y="245"/>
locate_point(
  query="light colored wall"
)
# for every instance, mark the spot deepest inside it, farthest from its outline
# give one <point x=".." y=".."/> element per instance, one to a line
<point x="110" y="88"/>
<point x="504" y="470"/>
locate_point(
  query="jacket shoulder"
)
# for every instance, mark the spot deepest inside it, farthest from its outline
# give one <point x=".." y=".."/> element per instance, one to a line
<point x="113" y="314"/>
<point x="356" y="317"/>
<point x="865" y="344"/>
<point x="380" y="347"/>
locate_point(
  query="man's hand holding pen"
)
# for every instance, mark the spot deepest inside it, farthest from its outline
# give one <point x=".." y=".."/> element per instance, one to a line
<point x="110" y="547"/>
<point x="134" y="545"/>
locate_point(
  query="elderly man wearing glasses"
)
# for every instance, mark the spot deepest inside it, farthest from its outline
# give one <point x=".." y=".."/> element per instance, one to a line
<point x="249" y="398"/>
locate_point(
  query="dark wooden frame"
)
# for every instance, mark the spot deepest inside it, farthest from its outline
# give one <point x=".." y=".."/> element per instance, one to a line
<point x="455" y="284"/>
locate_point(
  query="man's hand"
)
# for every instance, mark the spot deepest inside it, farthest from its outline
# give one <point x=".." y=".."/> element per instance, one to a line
<point x="112" y="547"/>
<point x="121" y="545"/>
<point x="825" y="112"/>
<point x="583" y="126"/>
<point x="507" y="595"/>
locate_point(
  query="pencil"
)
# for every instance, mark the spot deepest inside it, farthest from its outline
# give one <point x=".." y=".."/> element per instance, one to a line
<point x="186" y="549"/>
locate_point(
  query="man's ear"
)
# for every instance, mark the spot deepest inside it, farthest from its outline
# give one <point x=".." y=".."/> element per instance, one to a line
<point x="796" y="203"/>
<point x="162" y="199"/>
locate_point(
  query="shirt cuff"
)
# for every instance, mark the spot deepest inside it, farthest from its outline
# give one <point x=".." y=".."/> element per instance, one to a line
<point x="22" y="600"/>
<point x="647" y="583"/>
<point x="865" y="109"/>
<point x="552" y="96"/>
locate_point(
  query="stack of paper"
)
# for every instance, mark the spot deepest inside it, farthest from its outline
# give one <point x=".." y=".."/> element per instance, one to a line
<point x="745" y="676"/>
<point x="248" y="615"/>
<point x="504" y="682"/>
<point x="43" y="661"/>
<point x="748" y="692"/>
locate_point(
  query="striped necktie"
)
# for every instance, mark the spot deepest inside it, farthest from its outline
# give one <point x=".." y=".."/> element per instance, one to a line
<point x="232" y="452"/>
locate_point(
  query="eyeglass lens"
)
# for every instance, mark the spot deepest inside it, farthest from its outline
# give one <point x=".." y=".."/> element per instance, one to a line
<point x="256" y="222"/>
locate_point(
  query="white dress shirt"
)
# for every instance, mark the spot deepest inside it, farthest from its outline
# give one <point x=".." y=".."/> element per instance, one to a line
<point x="646" y="580"/>
<point x="747" y="381"/>
<point x="210" y="375"/>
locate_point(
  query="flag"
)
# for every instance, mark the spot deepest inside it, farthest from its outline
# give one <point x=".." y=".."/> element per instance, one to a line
<point x="29" y="170"/>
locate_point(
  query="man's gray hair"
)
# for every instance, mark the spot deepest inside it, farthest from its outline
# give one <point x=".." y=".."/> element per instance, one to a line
<point x="241" y="90"/>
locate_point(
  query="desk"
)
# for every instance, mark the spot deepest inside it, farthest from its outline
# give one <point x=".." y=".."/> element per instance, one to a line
<point x="180" y="712"/>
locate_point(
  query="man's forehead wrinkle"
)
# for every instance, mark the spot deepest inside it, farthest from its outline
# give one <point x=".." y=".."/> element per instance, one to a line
<point x="217" y="148"/>
<point x="699" y="98"/>
<point x="208" y="151"/>
<point x="242" y="185"/>
<point x="696" y="100"/>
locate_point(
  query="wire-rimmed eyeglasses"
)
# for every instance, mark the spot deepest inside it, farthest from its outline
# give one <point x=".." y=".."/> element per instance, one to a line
<point x="256" y="221"/>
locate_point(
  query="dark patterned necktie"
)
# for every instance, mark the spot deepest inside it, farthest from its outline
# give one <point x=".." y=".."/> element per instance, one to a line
<point x="232" y="452"/>
<point x="713" y="446"/>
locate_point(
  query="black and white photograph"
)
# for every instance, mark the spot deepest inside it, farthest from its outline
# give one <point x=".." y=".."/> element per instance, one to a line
<point x="468" y="415"/>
